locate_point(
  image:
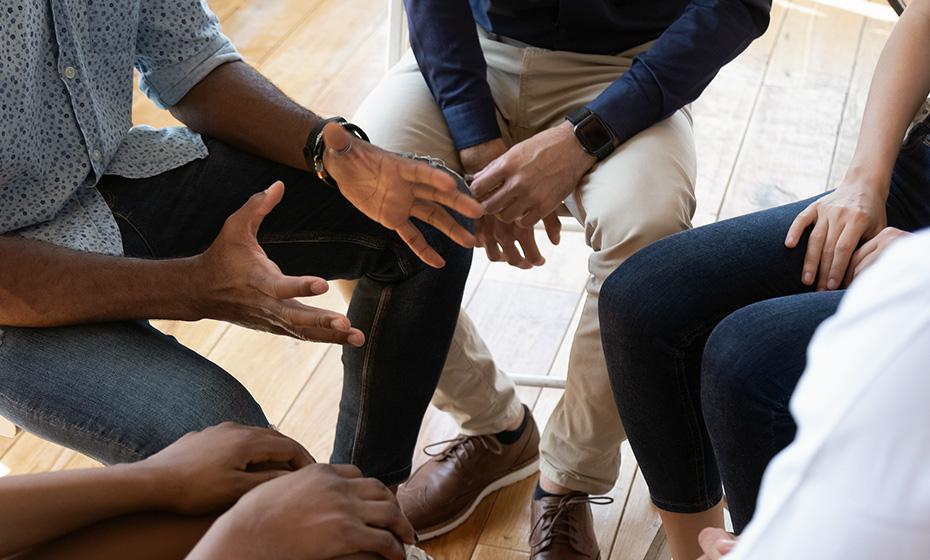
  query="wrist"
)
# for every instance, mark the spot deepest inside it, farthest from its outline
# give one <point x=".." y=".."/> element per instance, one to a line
<point x="188" y="288"/>
<point x="573" y="147"/>
<point x="477" y="157"/>
<point x="867" y="178"/>
<point x="225" y="540"/>
<point x="145" y="484"/>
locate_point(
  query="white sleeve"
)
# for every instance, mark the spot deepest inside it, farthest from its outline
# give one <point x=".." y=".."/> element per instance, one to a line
<point x="855" y="484"/>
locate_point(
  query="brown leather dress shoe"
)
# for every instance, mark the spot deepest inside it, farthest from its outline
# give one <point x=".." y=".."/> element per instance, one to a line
<point x="442" y="493"/>
<point x="563" y="528"/>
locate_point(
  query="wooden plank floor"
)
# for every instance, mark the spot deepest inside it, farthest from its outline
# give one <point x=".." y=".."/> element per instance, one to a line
<point x="778" y="124"/>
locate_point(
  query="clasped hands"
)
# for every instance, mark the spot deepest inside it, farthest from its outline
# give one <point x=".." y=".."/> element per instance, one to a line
<point x="520" y="186"/>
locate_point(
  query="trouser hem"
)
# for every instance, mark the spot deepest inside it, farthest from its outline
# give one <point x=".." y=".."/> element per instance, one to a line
<point x="573" y="482"/>
<point x="692" y="507"/>
<point x="499" y="422"/>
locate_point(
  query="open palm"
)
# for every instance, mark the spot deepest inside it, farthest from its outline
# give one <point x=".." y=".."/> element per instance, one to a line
<point x="391" y="189"/>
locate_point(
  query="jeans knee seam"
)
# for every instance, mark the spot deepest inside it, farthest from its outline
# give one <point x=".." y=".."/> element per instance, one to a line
<point x="693" y="427"/>
<point x="59" y="423"/>
<point x="366" y="368"/>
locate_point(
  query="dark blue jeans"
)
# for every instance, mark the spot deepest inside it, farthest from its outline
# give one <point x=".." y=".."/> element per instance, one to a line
<point x="122" y="391"/>
<point x="705" y="334"/>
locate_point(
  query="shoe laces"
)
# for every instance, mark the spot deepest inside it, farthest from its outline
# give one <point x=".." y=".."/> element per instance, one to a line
<point x="459" y="448"/>
<point x="558" y="530"/>
<point x="414" y="553"/>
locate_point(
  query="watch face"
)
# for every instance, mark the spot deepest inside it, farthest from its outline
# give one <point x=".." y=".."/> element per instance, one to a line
<point x="593" y="134"/>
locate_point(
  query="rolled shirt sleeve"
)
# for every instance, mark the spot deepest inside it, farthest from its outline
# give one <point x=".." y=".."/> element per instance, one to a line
<point x="179" y="43"/>
<point x="444" y="40"/>
<point x="680" y="64"/>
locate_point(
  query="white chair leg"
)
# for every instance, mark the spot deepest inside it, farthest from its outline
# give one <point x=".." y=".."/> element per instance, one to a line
<point x="541" y="381"/>
<point x="396" y="35"/>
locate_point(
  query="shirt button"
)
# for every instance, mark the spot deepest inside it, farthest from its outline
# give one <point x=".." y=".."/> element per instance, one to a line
<point x="70" y="72"/>
<point x="96" y="155"/>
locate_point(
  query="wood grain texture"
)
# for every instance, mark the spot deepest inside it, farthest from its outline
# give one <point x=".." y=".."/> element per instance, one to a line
<point x="874" y="35"/>
<point x="8" y="430"/>
<point x="639" y="526"/>
<point x="721" y="117"/>
<point x="789" y="146"/>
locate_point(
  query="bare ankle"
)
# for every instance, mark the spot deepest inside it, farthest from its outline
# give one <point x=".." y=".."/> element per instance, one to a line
<point x="551" y="487"/>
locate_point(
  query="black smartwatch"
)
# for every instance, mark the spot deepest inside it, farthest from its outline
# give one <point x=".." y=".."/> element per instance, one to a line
<point x="593" y="135"/>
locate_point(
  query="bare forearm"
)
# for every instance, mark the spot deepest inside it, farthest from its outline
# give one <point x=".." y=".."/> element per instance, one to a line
<point x="39" y="508"/>
<point x="900" y="84"/>
<point x="239" y="106"/>
<point x="43" y="285"/>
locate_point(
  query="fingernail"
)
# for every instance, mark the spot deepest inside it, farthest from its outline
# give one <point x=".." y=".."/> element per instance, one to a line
<point x="832" y="284"/>
<point x="789" y="241"/>
<point x="808" y="278"/>
<point x="319" y="287"/>
<point x="339" y="325"/>
<point x="356" y="339"/>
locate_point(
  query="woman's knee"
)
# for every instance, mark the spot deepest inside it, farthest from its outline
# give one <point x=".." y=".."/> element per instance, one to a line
<point x="648" y="294"/>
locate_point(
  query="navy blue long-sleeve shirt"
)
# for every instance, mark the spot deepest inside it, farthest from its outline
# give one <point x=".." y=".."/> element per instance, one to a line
<point x="693" y="40"/>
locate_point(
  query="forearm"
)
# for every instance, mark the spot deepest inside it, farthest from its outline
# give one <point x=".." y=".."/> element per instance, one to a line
<point x="42" y="507"/>
<point x="444" y="39"/>
<point x="239" y="106"/>
<point x="900" y="85"/>
<point x="220" y="541"/>
<point x="52" y="286"/>
<point x="680" y="64"/>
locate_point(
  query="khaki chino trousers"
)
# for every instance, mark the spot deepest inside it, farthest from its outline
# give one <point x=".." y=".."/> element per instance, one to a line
<point x="642" y="192"/>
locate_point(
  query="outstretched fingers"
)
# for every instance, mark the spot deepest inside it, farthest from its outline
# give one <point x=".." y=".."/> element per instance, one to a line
<point x="317" y="325"/>
<point x="418" y="244"/>
<point x="420" y="172"/>
<point x="434" y="215"/>
<point x="455" y="200"/>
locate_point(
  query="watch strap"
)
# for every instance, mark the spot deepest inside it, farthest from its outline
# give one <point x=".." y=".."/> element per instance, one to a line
<point x="315" y="146"/>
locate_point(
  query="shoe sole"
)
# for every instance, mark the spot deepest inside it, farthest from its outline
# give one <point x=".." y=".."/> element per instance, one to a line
<point x="523" y="472"/>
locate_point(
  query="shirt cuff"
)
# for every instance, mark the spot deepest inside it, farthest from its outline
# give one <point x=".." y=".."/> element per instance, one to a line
<point x="472" y="123"/>
<point x="626" y="108"/>
<point x="167" y="86"/>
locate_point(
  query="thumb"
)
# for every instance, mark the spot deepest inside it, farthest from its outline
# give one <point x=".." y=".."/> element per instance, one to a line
<point x="261" y="204"/>
<point x="336" y="138"/>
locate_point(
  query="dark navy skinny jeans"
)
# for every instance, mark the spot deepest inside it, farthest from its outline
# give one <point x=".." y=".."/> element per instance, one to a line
<point x="705" y="334"/>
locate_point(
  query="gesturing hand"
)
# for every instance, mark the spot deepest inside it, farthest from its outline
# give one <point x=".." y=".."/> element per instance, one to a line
<point x="206" y="471"/>
<point x="842" y="219"/>
<point x="240" y="284"/>
<point x="716" y="543"/>
<point x="318" y="513"/>
<point x="391" y="190"/>
<point x="531" y="180"/>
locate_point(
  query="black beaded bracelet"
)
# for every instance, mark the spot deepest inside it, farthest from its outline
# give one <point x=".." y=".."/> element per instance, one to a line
<point x="315" y="146"/>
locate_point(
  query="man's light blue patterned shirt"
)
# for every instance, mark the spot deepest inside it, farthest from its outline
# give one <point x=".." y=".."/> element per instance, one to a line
<point x="66" y="106"/>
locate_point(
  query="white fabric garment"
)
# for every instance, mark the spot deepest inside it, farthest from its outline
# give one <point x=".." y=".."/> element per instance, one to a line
<point x="855" y="484"/>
